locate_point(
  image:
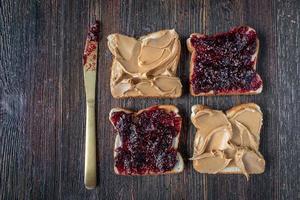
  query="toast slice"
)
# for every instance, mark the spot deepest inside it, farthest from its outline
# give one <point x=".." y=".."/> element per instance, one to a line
<point x="224" y="63"/>
<point x="228" y="143"/>
<point x="145" y="67"/>
<point x="147" y="141"/>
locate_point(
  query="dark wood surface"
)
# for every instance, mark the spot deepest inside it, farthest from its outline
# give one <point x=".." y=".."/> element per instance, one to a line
<point x="42" y="102"/>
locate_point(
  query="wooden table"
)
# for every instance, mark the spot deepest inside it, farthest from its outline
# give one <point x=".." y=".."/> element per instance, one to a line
<point x="42" y="102"/>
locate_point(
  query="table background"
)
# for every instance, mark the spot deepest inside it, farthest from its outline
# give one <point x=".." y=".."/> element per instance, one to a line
<point x="42" y="98"/>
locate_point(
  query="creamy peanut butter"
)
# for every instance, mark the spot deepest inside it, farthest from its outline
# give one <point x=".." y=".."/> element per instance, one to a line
<point x="228" y="143"/>
<point x="145" y="67"/>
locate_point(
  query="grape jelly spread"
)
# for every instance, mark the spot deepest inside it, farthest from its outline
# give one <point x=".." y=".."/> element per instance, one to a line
<point x="146" y="141"/>
<point x="223" y="63"/>
<point x="91" y="42"/>
<point x="93" y="33"/>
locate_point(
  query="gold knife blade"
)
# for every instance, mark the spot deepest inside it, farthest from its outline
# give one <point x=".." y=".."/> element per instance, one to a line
<point x="90" y="56"/>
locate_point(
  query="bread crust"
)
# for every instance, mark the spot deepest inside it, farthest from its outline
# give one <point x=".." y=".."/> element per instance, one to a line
<point x="169" y="108"/>
<point x="211" y="93"/>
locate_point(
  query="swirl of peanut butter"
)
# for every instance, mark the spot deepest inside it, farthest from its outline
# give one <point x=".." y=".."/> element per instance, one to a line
<point x="145" y="67"/>
<point x="228" y="143"/>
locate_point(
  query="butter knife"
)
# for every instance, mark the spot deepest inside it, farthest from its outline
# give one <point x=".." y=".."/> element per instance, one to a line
<point x="89" y="70"/>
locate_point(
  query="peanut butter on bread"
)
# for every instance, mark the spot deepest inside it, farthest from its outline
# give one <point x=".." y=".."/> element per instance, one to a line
<point x="228" y="142"/>
<point x="145" y="67"/>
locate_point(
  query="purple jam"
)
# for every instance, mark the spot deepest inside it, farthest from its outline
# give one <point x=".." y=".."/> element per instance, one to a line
<point x="146" y="141"/>
<point x="93" y="35"/>
<point x="94" y="30"/>
<point x="223" y="62"/>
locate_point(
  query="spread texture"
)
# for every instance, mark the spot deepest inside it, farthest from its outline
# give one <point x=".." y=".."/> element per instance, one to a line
<point x="145" y="67"/>
<point x="224" y="63"/>
<point x="228" y="143"/>
<point x="147" y="141"/>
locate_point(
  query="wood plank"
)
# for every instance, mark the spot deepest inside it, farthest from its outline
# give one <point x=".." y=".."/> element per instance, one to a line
<point x="287" y="45"/>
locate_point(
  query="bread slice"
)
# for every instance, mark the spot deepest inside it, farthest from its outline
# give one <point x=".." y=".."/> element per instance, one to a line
<point x="179" y="166"/>
<point x="231" y="167"/>
<point x="213" y="92"/>
<point x="145" y="67"/>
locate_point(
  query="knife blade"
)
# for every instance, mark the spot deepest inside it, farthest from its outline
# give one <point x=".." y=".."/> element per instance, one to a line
<point x="90" y="56"/>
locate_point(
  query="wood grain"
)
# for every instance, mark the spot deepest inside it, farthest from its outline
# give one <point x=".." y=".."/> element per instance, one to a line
<point x="42" y="106"/>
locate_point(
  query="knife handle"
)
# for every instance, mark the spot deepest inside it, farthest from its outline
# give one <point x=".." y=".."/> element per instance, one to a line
<point x="90" y="177"/>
